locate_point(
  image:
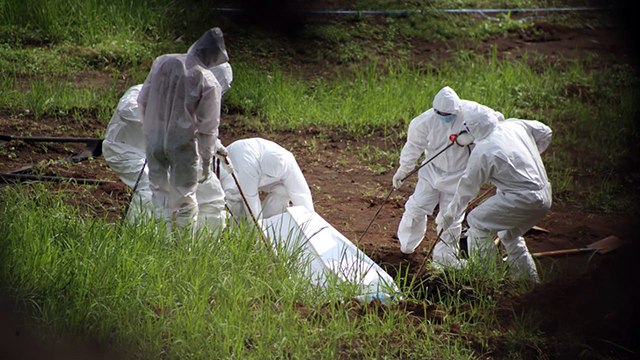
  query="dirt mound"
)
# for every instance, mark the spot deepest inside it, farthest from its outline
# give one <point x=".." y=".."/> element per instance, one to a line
<point x="594" y="314"/>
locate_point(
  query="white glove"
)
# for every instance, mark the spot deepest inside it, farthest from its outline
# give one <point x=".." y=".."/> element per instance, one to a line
<point x="447" y="221"/>
<point x="221" y="150"/>
<point x="399" y="176"/>
<point x="207" y="171"/>
<point x="226" y="162"/>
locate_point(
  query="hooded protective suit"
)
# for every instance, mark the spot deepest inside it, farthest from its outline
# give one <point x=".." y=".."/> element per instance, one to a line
<point x="180" y="107"/>
<point x="124" y="150"/>
<point x="264" y="166"/>
<point x="429" y="133"/>
<point x="507" y="154"/>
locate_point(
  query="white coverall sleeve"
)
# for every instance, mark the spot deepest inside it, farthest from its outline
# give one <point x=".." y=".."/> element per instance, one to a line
<point x="143" y="95"/>
<point x="297" y="187"/>
<point x="415" y="145"/>
<point x="475" y="175"/>
<point x="249" y="181"/>
<point x="208" y="117"/>
<point x="143" y="98"/>
<point x="540" y="132"/>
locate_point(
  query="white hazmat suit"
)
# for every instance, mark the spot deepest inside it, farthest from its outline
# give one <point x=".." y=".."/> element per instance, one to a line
<point x="507" y="154"/>
<point x="427" y="134"/>
<point x="261" y="165"/>
<point x="124" y="150"/>
<point x="180" y="107"/>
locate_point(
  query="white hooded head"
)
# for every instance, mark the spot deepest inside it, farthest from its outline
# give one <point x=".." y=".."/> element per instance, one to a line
<point x="272" y="164"/>
<point x="224" y="75"/>
<point x="209" y="49"/>
<point x="481" y="124"/>
<point x="446" y="101"/>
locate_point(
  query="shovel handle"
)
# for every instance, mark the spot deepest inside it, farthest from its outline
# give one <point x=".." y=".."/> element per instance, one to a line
<point x="563" y="252"/>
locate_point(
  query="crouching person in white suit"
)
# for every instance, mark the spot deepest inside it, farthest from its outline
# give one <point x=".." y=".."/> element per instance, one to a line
<point x="260" y="165"/>
<point x="123" y="149"/>
<point x="507" y="154"/>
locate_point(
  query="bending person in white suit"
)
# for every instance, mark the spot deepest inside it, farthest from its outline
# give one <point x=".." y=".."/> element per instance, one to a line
<point x="123" y="149"/>
<point x="507" y="154"/>
<point x="263" y="166"/>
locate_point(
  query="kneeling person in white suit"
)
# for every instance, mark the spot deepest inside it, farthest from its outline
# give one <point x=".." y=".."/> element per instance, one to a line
<point x="261" y="165"/>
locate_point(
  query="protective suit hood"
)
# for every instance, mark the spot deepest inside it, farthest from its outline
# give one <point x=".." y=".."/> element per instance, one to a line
<point x="224" y="75"/>
<point x="272" y="164"/>
<point x="481" y="124"/>
<point x="210" y="49"/>
<point x="447" y="101"/>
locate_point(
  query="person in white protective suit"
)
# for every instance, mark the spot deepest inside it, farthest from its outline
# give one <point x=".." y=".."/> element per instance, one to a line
<point x="124" y="150"/>
<point x="507" y="154"/>
<point x="429" y="133"/>
<point x="259" y="166"/>
<point x="180" y="107"/>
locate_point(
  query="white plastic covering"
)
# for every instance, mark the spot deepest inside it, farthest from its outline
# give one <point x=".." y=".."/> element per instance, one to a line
<point x="326" y="252"/>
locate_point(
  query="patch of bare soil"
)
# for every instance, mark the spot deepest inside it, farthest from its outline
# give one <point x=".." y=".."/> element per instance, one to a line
<point x="593" y="297"/>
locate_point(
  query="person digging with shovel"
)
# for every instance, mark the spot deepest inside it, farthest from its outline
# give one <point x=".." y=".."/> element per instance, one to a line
<point x="507" y="154"/>
<point x="427" y="134"/>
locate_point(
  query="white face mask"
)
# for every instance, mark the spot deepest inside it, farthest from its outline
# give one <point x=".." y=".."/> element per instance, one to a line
<point x="447" y="119"/>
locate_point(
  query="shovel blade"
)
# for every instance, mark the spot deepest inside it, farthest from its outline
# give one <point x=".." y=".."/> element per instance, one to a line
<point x="607" y="244"/>
<point x="601" y="246"/>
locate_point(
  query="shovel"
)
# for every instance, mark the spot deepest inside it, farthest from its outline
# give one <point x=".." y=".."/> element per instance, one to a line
<point x="601" y="246"/>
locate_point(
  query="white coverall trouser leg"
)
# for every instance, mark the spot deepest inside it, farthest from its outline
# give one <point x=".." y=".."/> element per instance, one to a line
<point x="413" y="224"/>
<point x="510" y="215"/>
<point x="141" y="203"/>
<point x="211" y="211"/>
<point x="173" y="182"/>
<point x="127" y="162"/>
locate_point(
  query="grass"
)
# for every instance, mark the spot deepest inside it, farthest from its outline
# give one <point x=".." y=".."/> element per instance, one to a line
<point x="135" y="287"/>
<point x="372" y="99"/>
<point x="223" y="297"/>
